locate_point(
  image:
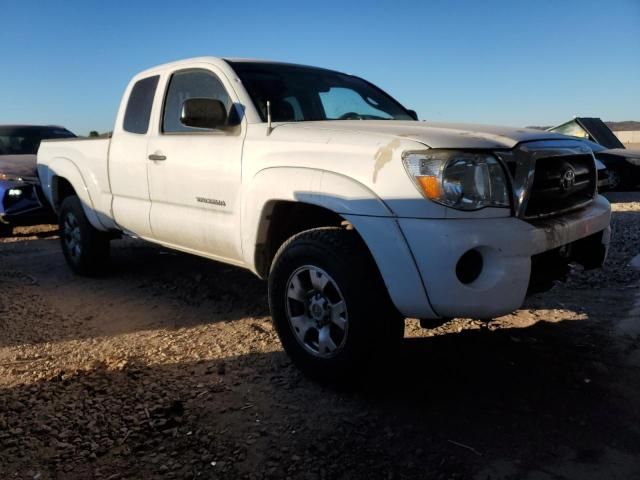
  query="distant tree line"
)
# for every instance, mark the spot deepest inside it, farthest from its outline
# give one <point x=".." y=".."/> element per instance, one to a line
<point x="96" y="134"/>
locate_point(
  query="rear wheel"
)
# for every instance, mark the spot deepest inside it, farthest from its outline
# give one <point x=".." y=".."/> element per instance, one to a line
<point x="329" y="305"/>
<point x="85" y="248"/>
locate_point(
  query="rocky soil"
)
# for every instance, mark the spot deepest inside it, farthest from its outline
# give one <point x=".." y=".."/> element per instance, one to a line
<point x="168" y="367"/>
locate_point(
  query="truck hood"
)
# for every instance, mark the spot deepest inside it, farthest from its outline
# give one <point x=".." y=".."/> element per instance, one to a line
<point x="18" y="167"/>
<point x="437" y="135"/>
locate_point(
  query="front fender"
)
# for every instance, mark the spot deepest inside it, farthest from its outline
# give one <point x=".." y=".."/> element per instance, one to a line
<point x="329" y="190"/>
<point x="63" y="168"/>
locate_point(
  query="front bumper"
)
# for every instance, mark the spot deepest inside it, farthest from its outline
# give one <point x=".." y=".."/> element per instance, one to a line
<point x="499" y="281"/>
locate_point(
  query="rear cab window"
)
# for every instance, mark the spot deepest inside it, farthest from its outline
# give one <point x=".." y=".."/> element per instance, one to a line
<point x="138" y="112"/>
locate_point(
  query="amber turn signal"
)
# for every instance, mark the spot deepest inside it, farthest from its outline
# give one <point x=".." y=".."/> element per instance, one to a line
<point x="431" y="187"/>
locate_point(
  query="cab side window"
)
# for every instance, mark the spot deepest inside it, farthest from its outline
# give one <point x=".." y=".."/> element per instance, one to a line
<point x="187" y="84"/>
<point x="138" y="112"/>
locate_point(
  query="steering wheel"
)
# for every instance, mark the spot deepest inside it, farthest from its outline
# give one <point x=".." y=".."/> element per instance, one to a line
<point x="350" y="116"/>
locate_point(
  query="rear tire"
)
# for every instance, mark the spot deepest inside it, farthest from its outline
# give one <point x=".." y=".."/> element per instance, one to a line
<point x="85" y="248"/>
<point x="329" y="305"/>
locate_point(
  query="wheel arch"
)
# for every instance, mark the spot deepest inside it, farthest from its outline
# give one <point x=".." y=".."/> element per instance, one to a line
<point x="64" y="179"/>
<point x="281" y="220"/>
<point x="283" y="201"/>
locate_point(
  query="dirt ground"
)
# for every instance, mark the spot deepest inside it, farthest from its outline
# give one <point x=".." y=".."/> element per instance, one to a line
<point x="168" y="367"/>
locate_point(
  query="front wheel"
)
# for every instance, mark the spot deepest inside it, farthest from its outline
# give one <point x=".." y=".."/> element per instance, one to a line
<point x="329" y="305"/>
<point x="85" y="248"/>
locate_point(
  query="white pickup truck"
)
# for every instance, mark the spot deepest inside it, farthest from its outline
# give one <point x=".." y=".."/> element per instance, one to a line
<point x="357" y="214"/>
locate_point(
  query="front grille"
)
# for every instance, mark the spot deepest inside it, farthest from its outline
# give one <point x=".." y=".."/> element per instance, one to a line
<point x="561" y="183"/>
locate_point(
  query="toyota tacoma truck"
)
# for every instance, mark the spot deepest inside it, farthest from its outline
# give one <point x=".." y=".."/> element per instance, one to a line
<point x="357" y="214"/>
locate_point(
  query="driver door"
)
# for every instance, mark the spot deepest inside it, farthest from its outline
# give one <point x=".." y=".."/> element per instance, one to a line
<point x="194" y="173"/>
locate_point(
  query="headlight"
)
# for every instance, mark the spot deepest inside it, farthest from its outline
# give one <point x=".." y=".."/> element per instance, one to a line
<point x="462" y="180"/>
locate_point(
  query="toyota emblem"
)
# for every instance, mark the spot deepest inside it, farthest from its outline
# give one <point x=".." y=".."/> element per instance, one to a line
<point x="568" y="179"/>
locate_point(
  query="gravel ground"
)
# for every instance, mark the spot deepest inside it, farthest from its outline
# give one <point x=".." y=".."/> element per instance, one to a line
<point x="169" y="367"/>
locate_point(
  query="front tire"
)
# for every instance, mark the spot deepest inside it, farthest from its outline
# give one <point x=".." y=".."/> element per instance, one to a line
<point x="329" y="305"/>
<point x="85" y="248"/>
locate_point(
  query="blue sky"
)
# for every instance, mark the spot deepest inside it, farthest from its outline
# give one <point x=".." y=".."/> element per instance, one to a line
<point x="505" y="62"/>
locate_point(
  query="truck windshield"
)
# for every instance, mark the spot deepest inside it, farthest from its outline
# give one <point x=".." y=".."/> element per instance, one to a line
<point x="26" y="140"/>
<point x="298" y="93"/>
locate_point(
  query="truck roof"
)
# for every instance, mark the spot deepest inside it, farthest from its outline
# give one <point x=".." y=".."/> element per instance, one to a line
<point x="219" y="61"/>
<point x="274" y="62"/>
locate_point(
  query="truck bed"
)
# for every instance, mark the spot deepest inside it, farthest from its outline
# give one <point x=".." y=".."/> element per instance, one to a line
<point x="85" y="160"/>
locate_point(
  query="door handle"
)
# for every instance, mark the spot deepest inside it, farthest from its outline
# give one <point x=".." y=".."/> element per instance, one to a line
<point x="157" y="156"/>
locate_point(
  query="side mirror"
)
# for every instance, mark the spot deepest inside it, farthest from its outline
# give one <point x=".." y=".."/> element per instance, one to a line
<point x="203" y="113"/>
<point x="413" y="114"/>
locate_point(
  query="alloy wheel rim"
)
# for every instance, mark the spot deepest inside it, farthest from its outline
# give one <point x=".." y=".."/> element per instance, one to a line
<point x="316" y="311"/>
<point x="71" y="235"/>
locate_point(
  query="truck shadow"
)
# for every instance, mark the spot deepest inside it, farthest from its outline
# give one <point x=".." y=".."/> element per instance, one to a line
<point x="192" y="281"/>
<point x="146" y="288"/>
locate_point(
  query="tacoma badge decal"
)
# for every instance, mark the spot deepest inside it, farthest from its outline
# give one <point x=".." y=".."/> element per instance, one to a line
<point x="212" y="201"/>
